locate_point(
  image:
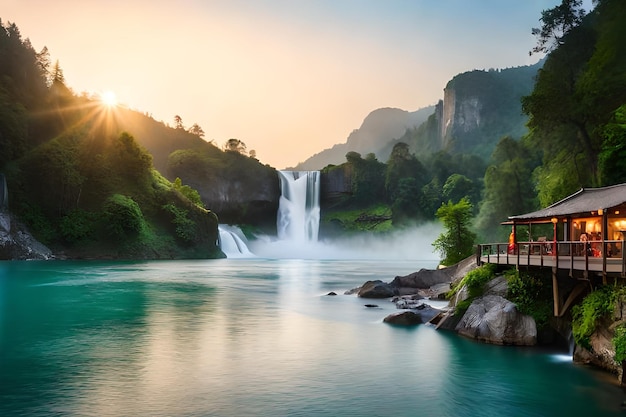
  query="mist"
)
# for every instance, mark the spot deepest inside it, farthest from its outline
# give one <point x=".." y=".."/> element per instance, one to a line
<point x="414" y="243"/>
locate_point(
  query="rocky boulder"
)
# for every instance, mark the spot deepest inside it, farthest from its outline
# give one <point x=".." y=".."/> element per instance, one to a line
<point x="404" y="318"/>
<point x="434" y="282"/>
<point x="493" y="319"/>
<point x="376" y="289"/>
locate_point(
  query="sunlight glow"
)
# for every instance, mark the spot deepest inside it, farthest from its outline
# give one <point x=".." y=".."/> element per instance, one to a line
<point x="108" y="98"/>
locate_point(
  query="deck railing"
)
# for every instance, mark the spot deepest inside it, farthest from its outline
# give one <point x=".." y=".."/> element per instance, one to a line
<point x="594" y="256"/>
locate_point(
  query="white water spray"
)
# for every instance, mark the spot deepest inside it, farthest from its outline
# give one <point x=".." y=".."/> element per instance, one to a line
<point x="232" y="242"/>
<point x="299" y="207"/>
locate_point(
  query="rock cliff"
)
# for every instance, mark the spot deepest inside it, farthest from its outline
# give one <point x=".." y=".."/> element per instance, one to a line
<point x="480" y="107"/>
<point x="16" y="243"/>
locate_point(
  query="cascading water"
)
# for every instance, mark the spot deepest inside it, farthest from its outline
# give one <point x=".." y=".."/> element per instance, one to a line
<point x="232" y="242"/>
<point x="299" y="206"/>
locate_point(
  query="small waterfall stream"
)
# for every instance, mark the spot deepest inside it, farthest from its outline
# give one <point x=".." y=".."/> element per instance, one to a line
<point x="232" y="242"/>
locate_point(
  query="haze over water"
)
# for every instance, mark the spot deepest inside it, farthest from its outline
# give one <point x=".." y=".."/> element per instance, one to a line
<point x="255" y="337"/>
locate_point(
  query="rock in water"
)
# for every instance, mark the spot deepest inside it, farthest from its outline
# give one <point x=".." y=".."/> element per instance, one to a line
<point x="494" y="319"/>
<point x="376" y="289"/>
<point x="405" y="318"/>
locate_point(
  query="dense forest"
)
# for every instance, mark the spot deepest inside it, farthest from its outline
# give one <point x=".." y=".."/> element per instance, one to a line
<point x="79" y="179"/>
<point x="89" y="179"/>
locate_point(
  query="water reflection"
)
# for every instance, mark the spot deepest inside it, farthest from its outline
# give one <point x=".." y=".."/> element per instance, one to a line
<point x="254" y="337"/>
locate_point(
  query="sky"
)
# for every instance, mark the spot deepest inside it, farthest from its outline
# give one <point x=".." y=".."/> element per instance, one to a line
<point x="287" y="77"/>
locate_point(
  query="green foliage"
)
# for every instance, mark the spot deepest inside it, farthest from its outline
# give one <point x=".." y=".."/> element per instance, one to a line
<point x="129" y="159"/>
<point x="187" y="191"/>
<point x="38" y="222"/>
<point x="509" y="188"/>
<point x="613" y="154"/>
<point x="619" y="342"/>
<point x="531" y="295"/>
<point x="77" y="226"/>
<point x="475" y="281"/>
<point x="123" y="217"/>
<point x="368" y="178"/>
<point x="406" y="205"/>
<point x="555" y="23"/>
<point x="403" y="164"/>
<point x="185" y="227"/>
<point x="457" y="243"/>
<point x="582" y="83"/>
<point x="13" y="128"/>
<point x="586" y="315"/>
<point x="458" y="186"/>
<point x="375" y="218"/>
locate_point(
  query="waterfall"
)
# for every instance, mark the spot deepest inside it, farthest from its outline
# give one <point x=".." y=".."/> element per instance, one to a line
<point x="299" y="206"/>
<point x="232" y="242"/>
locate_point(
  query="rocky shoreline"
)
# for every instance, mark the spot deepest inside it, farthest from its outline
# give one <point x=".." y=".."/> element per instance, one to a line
<point x="490" y="318"/>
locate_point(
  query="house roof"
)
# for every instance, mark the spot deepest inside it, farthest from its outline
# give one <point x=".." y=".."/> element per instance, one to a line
<point x="583" y="201"/>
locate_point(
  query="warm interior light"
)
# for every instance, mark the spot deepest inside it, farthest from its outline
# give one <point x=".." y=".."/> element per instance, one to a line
<point x="554" y="220"/>
<point x="600" y="212"/>
<point x="616" y="211"/>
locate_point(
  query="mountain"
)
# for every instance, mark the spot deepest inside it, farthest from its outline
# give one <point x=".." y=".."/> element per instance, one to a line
<point x="378" y="128"/>
<point x="478" y="109"/>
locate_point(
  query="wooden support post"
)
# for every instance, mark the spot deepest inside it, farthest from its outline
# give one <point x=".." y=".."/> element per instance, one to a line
<point x="555" y="292"/>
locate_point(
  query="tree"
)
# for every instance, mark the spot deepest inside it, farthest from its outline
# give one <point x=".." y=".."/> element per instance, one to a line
<point x="178" y="122"/>
<point x="457" y="242"/>
<point x="368" y="179"/>
<point x="613" y="155"/>
<point x="509" y="187"/>
<point x="195" y="129"/>
<point x="458" y="186"/>
<point x="192" y="194"/>
<point x="556" y="23"/>
<point x="235" y="145"/>
<point x="123" y="217"/>
<point x="403" y="164"/>
<point x="406" y="206"/>
<point x="581" y="84"/>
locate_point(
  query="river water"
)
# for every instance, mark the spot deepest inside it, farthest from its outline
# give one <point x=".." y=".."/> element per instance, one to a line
<point x="256" y="337"/>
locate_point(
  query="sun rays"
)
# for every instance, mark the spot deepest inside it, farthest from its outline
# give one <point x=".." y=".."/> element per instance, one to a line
<point x="108" y="98"/>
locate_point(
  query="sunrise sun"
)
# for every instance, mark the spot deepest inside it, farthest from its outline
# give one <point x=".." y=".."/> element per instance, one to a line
<point x="108" y="98"/>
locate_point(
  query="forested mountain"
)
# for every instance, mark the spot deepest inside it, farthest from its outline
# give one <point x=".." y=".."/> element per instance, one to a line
<point x="379" y="128"/>
<point x="478" y="109"/>
<point x="80" y="174"/>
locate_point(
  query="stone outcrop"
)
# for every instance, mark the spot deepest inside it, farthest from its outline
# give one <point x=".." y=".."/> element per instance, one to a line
<point x="601" y="352"/>
<point x="494" y="319"/>
<point x="425" y="282"/>
<point x="376" y="289"/>
<point x="16" y="243"/>
<point x="404" y="318"/>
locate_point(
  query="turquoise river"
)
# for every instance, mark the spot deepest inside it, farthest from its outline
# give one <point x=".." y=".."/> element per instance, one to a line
<point x="256" y="337"/>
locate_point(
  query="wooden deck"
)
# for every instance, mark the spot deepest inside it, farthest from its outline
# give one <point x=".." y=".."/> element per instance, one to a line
<point x="599" y="258"/>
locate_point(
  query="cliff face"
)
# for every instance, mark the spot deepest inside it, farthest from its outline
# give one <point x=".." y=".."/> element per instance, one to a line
<point x="237" y="188"/>
<point x="480" y="107"/>
<point x="335" y="183"/>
